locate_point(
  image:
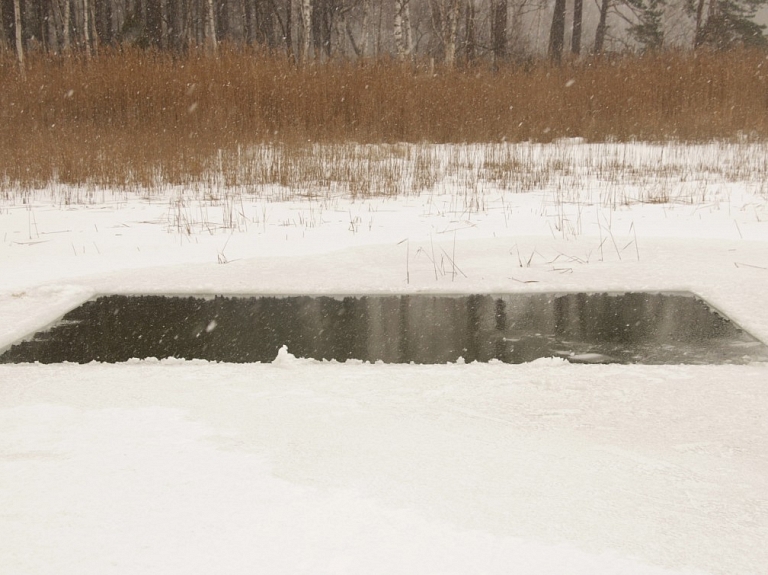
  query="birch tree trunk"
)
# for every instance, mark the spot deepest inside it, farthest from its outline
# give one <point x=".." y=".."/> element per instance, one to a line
<point x="66" y="38"/>
<point x="95" y="39"/>
<point x="211" y="32"/>
<point x="450" y="27"/>
<point x="408" y="29"/>
<point x="364" y="29"/>
<point x="86" y="30"/>
<point x="402" y="30"/>
<point x="17" y="31"/>
<point x="289" y="31"/>
<point x="306" y="30"/>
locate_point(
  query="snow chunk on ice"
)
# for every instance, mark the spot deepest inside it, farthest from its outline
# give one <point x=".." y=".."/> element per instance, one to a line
<point x="284" y="358"/>
<point x="590" y="358"/>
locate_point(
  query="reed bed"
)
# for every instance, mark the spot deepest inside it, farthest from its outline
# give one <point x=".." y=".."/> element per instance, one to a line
<point x="149" y="118"/>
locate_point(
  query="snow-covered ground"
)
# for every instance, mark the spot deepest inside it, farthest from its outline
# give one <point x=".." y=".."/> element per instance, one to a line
<point x="302" y="466"/>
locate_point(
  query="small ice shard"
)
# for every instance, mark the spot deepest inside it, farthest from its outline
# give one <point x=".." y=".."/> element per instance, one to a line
<point x="591" y="358"/>
<point x="211" y="326"/>
<point x="284" y="357"/>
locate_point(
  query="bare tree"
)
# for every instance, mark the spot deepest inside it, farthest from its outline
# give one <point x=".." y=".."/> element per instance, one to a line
<point x="699" y="17"/>
<point x="445" y="21"/>
<point x="339" y="39"/>
<point x="285" y="26"/>
<point x="729" y="23"/>
<point x="524" y="27"/>
<point x="262" y="22"/>
<point x="602" y="27"/>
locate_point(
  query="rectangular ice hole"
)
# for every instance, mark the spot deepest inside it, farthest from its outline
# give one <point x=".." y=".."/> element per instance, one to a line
<point x="644" y="328"/>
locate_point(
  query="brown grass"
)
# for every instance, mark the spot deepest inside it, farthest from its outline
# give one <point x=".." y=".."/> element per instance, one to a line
<point x="146" y="117"/>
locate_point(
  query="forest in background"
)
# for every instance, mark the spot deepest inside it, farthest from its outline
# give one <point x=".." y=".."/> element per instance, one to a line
<point x="447" y="32"/>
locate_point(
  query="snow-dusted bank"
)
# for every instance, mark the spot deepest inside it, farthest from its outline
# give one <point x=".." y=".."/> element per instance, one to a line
<point x="302" y="466"/>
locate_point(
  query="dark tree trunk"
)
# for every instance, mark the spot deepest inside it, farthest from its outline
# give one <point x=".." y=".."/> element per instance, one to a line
<point x="33" y="19"/>
<point x="601" y="27"/>
<point x="249" y="21"/>
<point x="103" y="21"/>
<point x="222" y="19"/>
<point x="3" y="29"/>
<point x="176" y="25"/>
<point x="322" y="27"/>
<point x="699" y="15"/>
<point x="498" y="31"/>
<point x="268" y="23"/>
<point x="578" y="9"/>
<point x="153" y="28"/>
<point x="557" y="32"/>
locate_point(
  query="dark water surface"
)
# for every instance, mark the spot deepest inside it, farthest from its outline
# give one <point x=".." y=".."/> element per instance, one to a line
<point x="648" y="328"/>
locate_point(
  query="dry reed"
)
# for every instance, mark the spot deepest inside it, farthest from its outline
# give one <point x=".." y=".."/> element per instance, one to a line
<point x="148" y="117"/>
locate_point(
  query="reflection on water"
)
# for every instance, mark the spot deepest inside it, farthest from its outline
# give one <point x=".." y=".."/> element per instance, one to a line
<point x="595" y="328"/>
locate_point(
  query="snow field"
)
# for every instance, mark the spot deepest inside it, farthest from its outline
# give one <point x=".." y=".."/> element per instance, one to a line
<point x="314" y="467"/>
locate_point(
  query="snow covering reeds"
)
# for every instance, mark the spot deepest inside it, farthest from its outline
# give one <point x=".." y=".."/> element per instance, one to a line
<point x="147" y="118"/>
<point x="573" y="179"/>
<point x="617" y="173"/>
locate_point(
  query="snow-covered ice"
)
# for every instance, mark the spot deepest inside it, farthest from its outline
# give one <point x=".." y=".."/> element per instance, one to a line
<point x="302" y="466"/>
